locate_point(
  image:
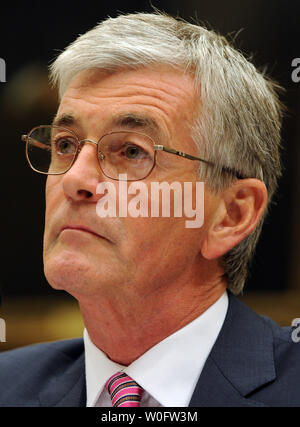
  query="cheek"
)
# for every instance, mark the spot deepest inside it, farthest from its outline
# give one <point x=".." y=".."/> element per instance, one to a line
<point x="51" y="184"/>
<point x="53" y="201"/>
<point x="52" y="191"/>
<point x="158" y="242"/>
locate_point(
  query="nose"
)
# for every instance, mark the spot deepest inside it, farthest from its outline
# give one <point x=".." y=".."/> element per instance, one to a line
<point x="80" y="182"/>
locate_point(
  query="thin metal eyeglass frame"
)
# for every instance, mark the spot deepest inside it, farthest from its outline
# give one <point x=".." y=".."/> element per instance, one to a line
<point x="156" y="147"/>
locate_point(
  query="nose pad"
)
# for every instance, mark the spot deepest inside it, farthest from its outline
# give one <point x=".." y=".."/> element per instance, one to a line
<point x="100" y="155"/>
<point x="82" y="143"/>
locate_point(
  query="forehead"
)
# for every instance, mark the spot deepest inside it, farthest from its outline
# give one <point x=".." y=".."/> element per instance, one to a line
<point x="172" y="81"/>
<point x="162" y="99"/>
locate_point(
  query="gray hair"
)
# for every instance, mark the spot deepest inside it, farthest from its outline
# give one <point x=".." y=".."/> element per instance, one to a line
<point x="239" y="118"/>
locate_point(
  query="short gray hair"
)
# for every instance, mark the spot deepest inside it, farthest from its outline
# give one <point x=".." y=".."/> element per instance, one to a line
<point x="239" y="117"/>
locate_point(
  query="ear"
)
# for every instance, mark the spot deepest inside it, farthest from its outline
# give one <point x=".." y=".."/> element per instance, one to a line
<point x="239" y="211"/>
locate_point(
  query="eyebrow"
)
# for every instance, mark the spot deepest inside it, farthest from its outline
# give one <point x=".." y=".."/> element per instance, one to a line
<point x="133" y="120"/>
<point x="64" y="120"/>
<point x="126" y="120"/>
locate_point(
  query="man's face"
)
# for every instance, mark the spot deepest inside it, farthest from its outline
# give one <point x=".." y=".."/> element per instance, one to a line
<point x="88" y="255"/>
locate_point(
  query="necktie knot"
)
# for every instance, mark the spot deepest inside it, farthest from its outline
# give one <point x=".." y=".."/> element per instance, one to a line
<point x="123" y="390"/>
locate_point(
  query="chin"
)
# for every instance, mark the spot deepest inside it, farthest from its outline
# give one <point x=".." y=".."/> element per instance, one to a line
<point x="74" y="274"/>
<point x="66" y="271"/>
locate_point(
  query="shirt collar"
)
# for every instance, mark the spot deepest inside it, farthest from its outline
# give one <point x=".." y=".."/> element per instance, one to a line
<point x="169" y="371"/>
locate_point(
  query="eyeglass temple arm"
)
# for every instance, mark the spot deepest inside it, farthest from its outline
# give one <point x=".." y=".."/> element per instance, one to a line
<point x="36" y="143"/>
<point x="180" y="153"/>
<point x="189" y="156"/>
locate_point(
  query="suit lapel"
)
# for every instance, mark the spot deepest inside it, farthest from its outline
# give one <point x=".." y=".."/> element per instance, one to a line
<point x="66" y="389"/>
<point x="241" y="360"/>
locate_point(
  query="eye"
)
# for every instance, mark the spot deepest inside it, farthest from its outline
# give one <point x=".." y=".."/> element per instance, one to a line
<point x="131" y="148"/>
<point x="65" y="146"/>
<point x="134" y="152"/>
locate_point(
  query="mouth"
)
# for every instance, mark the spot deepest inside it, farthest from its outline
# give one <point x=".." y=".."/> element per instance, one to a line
<point x="82" y="228"/>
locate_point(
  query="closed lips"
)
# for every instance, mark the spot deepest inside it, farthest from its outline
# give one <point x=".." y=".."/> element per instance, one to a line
<point x="80" y="228"/>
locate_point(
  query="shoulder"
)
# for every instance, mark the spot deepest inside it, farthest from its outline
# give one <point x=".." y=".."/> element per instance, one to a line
<point x="254" y="362"/>
<point x="43" y="352"/>
<point x="286" y="341"/>
<point x="29" y="369"/>
<point x="262" y="327"/>
<point x="272" y="353"/>
<point x="283" y="336"/>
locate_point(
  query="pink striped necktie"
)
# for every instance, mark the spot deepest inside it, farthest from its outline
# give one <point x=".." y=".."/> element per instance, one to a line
<point x="123" y="390"/>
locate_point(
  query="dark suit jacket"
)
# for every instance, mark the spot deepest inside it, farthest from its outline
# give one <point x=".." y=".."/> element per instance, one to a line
<point x="254" y="362"/>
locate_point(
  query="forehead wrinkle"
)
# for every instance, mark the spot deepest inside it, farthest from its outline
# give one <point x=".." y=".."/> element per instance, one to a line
<point x="162" y="83"/>
<point x="171" y="96"/>
<point x="168" y="91"/>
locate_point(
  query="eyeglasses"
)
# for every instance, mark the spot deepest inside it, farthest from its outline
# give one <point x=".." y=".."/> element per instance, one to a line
<point x="52" y="150"/>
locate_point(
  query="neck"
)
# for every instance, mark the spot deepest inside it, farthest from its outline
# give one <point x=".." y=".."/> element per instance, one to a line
<point x="126" y="327"/>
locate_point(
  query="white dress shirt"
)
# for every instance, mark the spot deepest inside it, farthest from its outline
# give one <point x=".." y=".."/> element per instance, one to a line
<point x="169" y="371"/>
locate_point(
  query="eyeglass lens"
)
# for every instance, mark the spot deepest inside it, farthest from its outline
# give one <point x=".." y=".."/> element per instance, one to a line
<point x="52" y="150"/>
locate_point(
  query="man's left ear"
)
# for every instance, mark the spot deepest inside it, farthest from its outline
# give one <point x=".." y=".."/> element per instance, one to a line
<point x="240" y="209"/>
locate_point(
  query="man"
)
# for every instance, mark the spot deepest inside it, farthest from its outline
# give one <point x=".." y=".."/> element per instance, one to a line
<point x="150" y="99"/>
